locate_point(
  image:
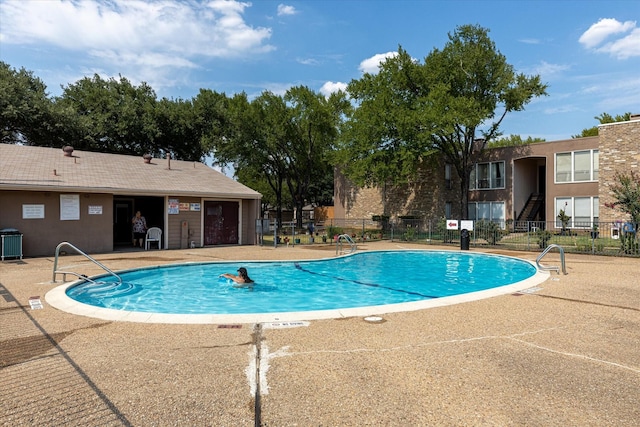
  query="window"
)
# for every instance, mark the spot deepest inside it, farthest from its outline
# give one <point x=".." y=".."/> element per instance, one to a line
<point x="497" y="175"/>
<point x="483" y="175"/>
<point x="447" y="210"/>
<point x="577" y="166"/>
<point x="582" y="166"/>
<point x="488" y="211"/>
<point x="563" y="167"/>
<point x="447" y="176"/>
<point x="584" y="211"/>
<point x="487" y="176"/>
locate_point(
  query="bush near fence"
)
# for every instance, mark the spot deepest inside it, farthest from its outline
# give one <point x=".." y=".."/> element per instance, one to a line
<point x="603" y="238"/>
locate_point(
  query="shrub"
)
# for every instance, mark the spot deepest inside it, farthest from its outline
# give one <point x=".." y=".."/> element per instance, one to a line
<point x="489" y="231"/>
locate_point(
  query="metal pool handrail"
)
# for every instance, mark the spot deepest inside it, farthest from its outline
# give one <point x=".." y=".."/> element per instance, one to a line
<point x="82" y="276"/>
<point x="348" y="239"/>
<point x="557" y="269"/>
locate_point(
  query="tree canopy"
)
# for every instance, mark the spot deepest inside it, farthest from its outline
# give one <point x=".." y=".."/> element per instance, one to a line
<point x="452" y="104"/>
<point x="513" y="141"/>
<point x="603" y="119"/>
<point x="27" y="113"/>
<point x="281" y="144"/>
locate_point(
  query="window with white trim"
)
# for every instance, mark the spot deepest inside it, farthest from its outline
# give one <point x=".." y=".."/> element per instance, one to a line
<point x="584" y="211"/>
<point x="577" y="166"/>
<point x="487" y="176"/>
<point x="489" y="211"/>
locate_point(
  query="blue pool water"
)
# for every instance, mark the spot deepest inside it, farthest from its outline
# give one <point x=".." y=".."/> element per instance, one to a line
<point x="362" y="279"/>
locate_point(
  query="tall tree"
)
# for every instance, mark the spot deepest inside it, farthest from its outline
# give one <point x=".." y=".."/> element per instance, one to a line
<point x="255" y="144"/>
<point x="27" y="114"/>
<point x="114" y="115"/>
<point x="313" y="130"/>
<point x="282" y="143"/>
<point x="180" y="130"/>
<point x="603" y="118"/>
<point x="452" y="104"/>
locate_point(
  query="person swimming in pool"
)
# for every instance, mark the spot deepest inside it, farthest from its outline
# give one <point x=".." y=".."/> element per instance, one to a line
<point x="241" y="279"/>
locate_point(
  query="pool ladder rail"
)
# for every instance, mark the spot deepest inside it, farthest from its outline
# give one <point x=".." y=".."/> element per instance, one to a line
<point x="556" y="268"/>
<point x="80" y="276"/>
<point x="345" y="238"/>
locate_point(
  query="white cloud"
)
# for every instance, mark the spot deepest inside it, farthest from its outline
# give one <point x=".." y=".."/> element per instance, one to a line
<point x="529" y="41"/>
<point x="286" y="10"/>
<point x="546" y="70"/>
<point x="372" y="65"/>
<point x="622" y="47"/>
<point x="308" y="61"/>
<point x="625" y="47"/>
<point x="174" y="31"/>
<point x="330" y="87"/>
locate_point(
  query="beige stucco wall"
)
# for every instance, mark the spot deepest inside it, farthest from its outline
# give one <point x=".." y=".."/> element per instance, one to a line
<point x="91" y="233"/>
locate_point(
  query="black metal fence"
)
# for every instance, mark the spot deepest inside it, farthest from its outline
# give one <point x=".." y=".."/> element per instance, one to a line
<point x="602" y="238"/>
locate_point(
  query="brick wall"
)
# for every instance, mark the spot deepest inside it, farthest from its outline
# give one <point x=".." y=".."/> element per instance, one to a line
<point x="424" y="197"/>
<point x="619" y="152"/>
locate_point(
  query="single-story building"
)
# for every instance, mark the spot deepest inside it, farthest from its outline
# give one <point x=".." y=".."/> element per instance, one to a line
<point x="89" y="199"/>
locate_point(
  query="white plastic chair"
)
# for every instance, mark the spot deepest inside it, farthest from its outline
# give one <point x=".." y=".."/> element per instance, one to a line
<point x="154" y="234"/>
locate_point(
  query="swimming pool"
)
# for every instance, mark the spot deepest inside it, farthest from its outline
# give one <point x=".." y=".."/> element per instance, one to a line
<point x="363" y="283"/>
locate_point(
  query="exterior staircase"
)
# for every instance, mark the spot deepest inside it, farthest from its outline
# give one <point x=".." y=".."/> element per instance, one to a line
<point x="530" y="212"/>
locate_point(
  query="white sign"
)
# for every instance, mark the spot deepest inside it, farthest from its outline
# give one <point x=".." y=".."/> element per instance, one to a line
<point x="284" y="325"/>
<point x="452" y="224"/>
<point x="32" y="211"/>
<point x="69" y="207"/>
<point x="95" y="210"/>
<point x="195" y="207"/>
<point x="35" y="303"/>
<point x="466" y="225"/>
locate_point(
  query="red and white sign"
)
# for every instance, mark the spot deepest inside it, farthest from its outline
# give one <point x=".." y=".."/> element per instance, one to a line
<point x="452" y="224"/>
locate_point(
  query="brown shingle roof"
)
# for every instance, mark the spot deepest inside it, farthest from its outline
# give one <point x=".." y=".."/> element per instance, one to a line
<point x="48" y="169"/>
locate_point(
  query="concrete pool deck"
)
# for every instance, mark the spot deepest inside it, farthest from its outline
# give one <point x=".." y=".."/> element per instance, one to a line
<point x="567" y="353"/>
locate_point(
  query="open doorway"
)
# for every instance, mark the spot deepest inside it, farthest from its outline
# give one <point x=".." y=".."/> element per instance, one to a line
<point x="124" y="208"/>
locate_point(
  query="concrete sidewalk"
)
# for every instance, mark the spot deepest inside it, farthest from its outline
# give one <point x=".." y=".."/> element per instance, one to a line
<point x="567" y="354"/>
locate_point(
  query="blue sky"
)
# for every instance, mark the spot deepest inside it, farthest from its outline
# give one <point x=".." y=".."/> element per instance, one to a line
<point x="588" y="52"/>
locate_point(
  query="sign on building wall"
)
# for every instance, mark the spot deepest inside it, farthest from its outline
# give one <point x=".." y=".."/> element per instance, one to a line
<point x="195" y="207"/>
<point x="184" y="206"/>
<point x="32" y="211"/>
<point x="69" y="207"/>
<point x="174" y="207"/>
<point x="95" y="210"/>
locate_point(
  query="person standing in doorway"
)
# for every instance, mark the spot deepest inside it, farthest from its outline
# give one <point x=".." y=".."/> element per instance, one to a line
<point x="139" y="229"/>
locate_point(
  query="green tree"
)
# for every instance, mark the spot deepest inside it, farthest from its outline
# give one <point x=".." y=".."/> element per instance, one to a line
<point x="513" y="141"/>
<point x="27" y="114"/>
<point x="281" y="145"/>
<point x="626" y="191"/>
<point x="255" y="144"/>
<point x="627" y="194"/>
<point x="113" y="116"/>
<point x="314" y="122"/>
<point x="603" y="118"/>
<point x="452" y="104"/>
<point x="212" y="121"/>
